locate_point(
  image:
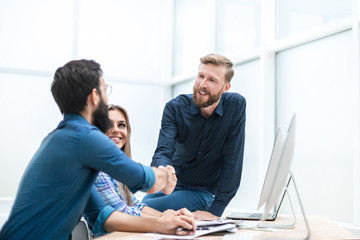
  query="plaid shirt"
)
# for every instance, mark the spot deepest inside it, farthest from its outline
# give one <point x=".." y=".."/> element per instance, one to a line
<point x="110" y="193"/>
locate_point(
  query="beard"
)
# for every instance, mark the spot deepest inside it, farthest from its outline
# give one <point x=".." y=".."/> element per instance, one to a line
<point x="101" y="118"/>
<point x="211" y="100"/>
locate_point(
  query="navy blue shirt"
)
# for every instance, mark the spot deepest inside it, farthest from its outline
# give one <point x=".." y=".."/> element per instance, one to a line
<point x="56" y="184"/>
<point x="207" y="154"/>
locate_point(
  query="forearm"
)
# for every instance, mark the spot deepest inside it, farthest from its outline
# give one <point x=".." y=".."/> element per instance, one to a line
<point x="150" y="211"/>
<point x="167" y="224"/>
<point x="232" y="153"/>
<point x="119" y="221"/>
<point x="161" y="180"/>
<point x="167" y="138"/>
<point x="221" y="201"/>
<point x="217" y="208"/>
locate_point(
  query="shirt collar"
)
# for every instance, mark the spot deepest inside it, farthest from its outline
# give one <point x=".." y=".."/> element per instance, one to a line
<point x="72" y="117"/>
<point x="220" y="107"/>
<point x="219" y="110"/>
<point x="194" y="109"/>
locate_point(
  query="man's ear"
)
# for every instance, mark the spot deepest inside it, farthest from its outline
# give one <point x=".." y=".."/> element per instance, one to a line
<point x="94" y="97"/>
<point x="227" y="87"/>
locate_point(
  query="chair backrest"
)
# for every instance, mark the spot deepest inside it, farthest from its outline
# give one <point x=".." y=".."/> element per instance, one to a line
<point x="81" y="231"/>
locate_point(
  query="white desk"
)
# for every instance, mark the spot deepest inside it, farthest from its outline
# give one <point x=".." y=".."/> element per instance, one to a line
<point x="322" y="228"/>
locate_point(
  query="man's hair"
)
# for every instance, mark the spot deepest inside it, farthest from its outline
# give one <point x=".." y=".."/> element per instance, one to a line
<point x="73" y="83"/>
<point x="219" y="60"/>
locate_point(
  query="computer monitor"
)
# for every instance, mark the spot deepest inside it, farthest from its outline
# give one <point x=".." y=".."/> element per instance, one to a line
<point x="278" y="181"/>
<point x="272" y="168"/>
<point x="269" y="178"/>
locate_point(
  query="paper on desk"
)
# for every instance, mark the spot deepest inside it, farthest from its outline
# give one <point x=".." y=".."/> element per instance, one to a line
<point x="216" y="222"/>
<point x="197" y="233"/>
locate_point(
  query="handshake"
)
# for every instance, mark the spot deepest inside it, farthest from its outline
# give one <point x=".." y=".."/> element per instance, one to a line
<point x="165" y="179"/>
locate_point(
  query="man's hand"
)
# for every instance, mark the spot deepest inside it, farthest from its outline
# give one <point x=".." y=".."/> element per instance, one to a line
<point x="161" y="179"/>
<point x="172" y="180"/>
<point x="203" y="215"/>
<point x="165" y="180"/>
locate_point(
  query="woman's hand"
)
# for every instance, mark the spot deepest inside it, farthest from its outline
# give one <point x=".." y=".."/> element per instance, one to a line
<point x="179" y="225"/>
<point x="180" y="212"/>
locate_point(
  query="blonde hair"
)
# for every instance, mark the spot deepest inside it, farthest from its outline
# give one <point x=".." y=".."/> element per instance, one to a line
<point x="219" y="60"/>
<point x="126" y="149"/>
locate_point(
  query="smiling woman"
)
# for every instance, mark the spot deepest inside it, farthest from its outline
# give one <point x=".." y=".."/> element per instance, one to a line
<point x="120" y="130"/>
<point x="120" y="133"/>
<point x="116" y="194"/>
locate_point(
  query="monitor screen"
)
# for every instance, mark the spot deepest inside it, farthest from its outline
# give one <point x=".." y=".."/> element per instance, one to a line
<point x="278" y="182"/>
<point x="272" y="168"/>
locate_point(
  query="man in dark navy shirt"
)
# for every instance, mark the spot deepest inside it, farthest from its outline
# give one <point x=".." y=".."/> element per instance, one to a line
<point x="202" y="136"/>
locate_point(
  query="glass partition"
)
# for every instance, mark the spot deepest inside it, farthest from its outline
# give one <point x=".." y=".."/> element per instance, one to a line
<point x="315" y="81"/>
<point x="36" y="35"/>
<point x="295" y="16"/>
<point x="194" y="34"/>
<point x="29" y="113"/>
<point x="238" y="28"/>
<point x="124" y="37"/>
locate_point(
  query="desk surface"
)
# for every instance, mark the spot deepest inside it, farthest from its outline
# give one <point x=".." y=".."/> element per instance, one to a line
<point x="322" y="228"/>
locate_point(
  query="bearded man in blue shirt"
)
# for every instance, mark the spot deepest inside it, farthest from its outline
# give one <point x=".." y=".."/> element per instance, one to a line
<point x="202" y="136"/>
<point x="56" y="184"/>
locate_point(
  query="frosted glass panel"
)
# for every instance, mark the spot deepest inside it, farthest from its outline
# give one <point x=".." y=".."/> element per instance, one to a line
<point x="295" y="16"/>
<point x="125" y="37"/>
<point x="238" y="32"/>
<point x="194" y="38"/>
<point x="35" y="34"/>
<point x="29" y="113"/>
<point x="183" y="88"/>
<point x="144" y="104"/>
<point x="316" y="83"/>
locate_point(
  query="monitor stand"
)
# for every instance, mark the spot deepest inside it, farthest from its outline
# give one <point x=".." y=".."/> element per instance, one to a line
<point x="292" y="225"/>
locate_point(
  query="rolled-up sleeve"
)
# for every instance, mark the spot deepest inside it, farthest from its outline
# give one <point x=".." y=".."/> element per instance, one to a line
<point x="97" y="212"/>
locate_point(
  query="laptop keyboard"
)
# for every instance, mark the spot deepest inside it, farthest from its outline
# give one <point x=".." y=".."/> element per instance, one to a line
<point x="256" y="215"/>
<point x="247" y="224"/>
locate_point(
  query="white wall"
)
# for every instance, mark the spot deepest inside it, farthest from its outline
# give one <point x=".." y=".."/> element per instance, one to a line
<point x="315" y="81"/>
<point x="29" y="114"/>
<point x="132" y="44"/>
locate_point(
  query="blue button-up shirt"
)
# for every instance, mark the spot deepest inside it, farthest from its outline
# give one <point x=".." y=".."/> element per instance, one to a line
<point x="207" y="154"/>
<point x="56" y="185"/>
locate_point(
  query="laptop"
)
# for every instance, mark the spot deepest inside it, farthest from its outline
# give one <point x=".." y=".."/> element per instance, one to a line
<point x="267" y="188"/>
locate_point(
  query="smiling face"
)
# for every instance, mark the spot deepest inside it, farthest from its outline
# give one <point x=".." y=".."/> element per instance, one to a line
<point x="118" y="131"/>
<point x="209" y="85"/>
